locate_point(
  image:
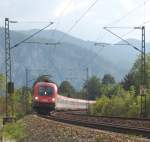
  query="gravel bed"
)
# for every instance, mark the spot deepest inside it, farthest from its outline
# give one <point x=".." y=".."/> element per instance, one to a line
<point x="117" y="121"/>
<point x="43" y="130"/>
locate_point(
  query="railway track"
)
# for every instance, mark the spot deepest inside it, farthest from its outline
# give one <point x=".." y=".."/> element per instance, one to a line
<point x="125" y="121"/>
<point x="98" y="123"/>
<point x="112" y="117"/>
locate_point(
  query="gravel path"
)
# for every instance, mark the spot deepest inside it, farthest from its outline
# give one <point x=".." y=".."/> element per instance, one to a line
<point x="43" y="130"/>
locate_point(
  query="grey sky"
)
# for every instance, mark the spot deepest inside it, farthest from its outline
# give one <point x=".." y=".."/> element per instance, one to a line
<point x="90" y="27"/>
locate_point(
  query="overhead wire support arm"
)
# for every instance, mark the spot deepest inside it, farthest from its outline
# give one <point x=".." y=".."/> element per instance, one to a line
<point x="119" y="27"/>
<point x="106" y="28"/>
<point x="143" y="84"/>
<point x="42" y="43"/>
<point x="24" y="40"/>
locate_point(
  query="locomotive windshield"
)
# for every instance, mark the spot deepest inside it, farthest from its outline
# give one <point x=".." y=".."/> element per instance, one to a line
<point x="45" y="91"/>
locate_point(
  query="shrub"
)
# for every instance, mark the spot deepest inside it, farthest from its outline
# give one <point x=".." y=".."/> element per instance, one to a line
<point x="126" y="105"/>
<point x="13" y="131"/>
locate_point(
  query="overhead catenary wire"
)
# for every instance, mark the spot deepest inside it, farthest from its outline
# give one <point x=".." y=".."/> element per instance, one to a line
<point x="28" y="22"/>
<point x="122" y="39"/>
<point x="78" y="20"/>
<point x="17" y="44"/>
<point x="122" y="17"/>
<point x="127" y="14"/>
<point x="146" y="22"/>
<point x="60" y="16"/>
<point x="114" y="42"/>
<point x="42" y="43"/>
<point x="120" y="27"/>
<point x="133" y="29"/>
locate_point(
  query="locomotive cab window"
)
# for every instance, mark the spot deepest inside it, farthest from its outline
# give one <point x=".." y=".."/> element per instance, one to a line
<point x="45" y="91"/>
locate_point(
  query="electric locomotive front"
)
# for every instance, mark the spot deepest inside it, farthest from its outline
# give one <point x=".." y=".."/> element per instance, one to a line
<point x="44" y="96"/>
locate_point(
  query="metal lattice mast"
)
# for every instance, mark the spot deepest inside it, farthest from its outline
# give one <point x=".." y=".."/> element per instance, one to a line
<point x="7" y="59"/>
<point x="26" y="91"/>
<point x="9" y="83"/>
<point x="143" y="75"/>
<point x="87" y="91"/>
<point x="143" y="66"/>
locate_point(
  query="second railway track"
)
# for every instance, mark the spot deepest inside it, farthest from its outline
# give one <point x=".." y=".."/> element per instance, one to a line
<point x="98" y="123"/>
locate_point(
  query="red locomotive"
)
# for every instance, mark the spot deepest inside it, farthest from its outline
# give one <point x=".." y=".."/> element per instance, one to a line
<point x="44" y="96"/>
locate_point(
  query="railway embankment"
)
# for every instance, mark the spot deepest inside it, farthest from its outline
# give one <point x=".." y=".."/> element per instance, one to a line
<point x="44" y="130"/>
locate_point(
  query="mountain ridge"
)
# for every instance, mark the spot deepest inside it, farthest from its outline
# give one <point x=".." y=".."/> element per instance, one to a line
<point x="65" y="61"/>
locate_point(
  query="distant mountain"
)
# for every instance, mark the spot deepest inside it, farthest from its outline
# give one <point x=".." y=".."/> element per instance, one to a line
<point x="67" y="60"/>
<point x="120" y="54"/>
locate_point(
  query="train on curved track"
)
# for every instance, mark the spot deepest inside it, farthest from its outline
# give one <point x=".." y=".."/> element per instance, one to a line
<point x="46" y="99"/>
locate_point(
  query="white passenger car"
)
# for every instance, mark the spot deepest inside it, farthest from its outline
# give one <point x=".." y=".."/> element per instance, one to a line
<point x="66" y="103"/>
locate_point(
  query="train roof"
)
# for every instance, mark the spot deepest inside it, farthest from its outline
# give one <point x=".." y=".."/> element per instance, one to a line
<point x="43" y="79"/>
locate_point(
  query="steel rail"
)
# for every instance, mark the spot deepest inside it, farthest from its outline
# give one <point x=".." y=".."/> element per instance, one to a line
<point x="101" y="125"/>
<point x="111" y="117"/>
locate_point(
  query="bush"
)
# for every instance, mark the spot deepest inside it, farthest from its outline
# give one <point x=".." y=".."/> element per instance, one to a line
<point x="100" y="103"/>
<point x="126" y="105"/>
<point x="13" y="131"/>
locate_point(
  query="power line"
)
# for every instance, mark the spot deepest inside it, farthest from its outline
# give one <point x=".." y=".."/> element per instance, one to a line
<point x="114" y="42"/>
<point x="122" y="39"/>
<point x="34" y="21"/>
<point x="131" y="11"/>
<point x="146" y="22"/>
<point x="42" y="43"/>
<point x="80" y="18"/>
<point x="120" y="27"/>
<point x="133" y="29"/>
<point x="17" y="44"/>
<point x="128" y="13"/>
<point x="61" y="14"/>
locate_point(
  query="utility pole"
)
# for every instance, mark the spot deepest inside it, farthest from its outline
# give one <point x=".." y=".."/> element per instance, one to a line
<point x="7" y="60"/>
<point x="87" y="90"/>
<point x="26" y="92"/>
<point x="142" y="86"/>
<point x="9" y="83"/>
<point x="143" y="76"/>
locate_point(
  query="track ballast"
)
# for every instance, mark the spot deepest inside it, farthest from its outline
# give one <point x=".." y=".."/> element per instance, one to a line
<point x="113" y="124"/>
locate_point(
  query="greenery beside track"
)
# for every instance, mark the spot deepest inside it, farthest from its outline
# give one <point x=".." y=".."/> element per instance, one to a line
<point x="123" y="99"/>
<point x="13" y="131"/>
<point x="124" y="105"/>
<point x="112" y="98"/>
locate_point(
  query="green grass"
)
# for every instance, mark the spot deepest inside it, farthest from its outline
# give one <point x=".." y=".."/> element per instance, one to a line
<point x="14" y="131"/>
<point x="1" y="120"/>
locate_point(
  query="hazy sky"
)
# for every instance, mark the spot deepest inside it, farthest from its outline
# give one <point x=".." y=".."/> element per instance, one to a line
<point x="103" y="13"/>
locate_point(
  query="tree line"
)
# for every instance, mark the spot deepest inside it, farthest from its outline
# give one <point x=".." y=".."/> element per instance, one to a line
<point x="114" y="98"/>
<point x="108" y="93"/>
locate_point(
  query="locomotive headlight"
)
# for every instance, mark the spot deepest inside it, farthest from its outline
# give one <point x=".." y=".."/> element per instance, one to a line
<point x="36" y="98"/>
<point x="53" y="99"/>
